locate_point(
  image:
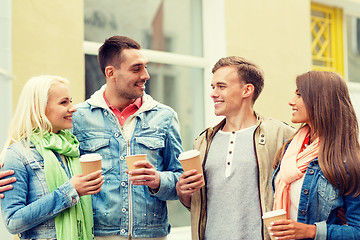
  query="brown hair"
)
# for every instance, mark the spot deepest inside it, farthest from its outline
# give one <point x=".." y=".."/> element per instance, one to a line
<point x="110" y="51"/>
<point x="333" y="119"/>
<point x="247" y="71"/>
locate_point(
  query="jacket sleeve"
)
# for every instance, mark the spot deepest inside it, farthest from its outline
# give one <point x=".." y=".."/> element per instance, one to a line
<point x="19" y="215"/>
<point x="172" y="167"/>
<point x="342" y="232"/>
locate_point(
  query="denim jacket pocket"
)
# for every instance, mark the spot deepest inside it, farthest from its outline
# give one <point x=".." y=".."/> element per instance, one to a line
<point x="152" y="146"/>
<point x="99" y="145"/>
<point x="328" y="196"/>
<point x="151" y="143"/>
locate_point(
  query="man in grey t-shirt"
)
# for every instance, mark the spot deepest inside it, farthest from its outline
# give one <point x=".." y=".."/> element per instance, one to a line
<point x="237" y="157"/>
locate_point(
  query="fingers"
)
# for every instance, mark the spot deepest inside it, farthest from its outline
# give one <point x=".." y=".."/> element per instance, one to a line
<point x="7" y="181"/>
<point x="5" y="188"/>
<point x="96" y="186"/>
<point x="190" y="179"/>
<point x="93" y="175"/>
<point x="4" y="183"/>
<point x="6" y="173"/>
<point x="142" y="171"/>
<point x="143" y="163"/>
<point x="95" y="182"/>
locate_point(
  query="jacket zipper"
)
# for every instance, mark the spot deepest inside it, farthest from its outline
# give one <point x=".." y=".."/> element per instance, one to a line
<point x="130" y="195"/>
<point x="129" y="185"/>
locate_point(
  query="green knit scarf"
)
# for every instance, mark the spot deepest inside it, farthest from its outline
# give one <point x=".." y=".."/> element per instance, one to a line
<point x="75" y="222"/>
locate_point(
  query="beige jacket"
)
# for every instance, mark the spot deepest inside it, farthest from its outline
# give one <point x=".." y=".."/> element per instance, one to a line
<point x="269" y="136"/>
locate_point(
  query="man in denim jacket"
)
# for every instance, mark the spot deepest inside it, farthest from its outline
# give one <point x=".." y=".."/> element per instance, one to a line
<point x="120" y="120"/>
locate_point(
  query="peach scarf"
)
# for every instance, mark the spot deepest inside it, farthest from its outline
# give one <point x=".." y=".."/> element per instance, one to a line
<point x="293" y="166"/>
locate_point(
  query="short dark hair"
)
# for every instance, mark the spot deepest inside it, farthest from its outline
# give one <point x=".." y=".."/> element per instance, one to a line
<point x="247" y="71"/>
<point x="110" y="51"/>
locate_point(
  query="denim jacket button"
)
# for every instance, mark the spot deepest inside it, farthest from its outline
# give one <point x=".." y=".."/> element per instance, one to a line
<point x="116" y="134"/>
<point x="122" y="158"/>
<point x="123" y="210"/>
<point x="303" y="212"/>
<point x="20" y="235"/>
<point x="311" y="171"/>
<point x="123" y="184"/>
<point x="306" y="191"/>
<point x="122" y="231"/>
<point x="73" y="200"/>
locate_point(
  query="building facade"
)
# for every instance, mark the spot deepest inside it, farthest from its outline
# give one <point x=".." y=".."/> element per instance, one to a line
<point x="182" y="39"/>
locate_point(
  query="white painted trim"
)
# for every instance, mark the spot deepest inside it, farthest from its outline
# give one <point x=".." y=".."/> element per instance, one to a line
<point x="353" y="86"/>
<point x="351" y="7"/>
<point x="214" y="49"/>
<point x="91" y="48"/>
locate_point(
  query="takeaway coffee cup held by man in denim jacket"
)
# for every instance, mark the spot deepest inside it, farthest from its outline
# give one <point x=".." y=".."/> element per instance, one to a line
<point x="120" y="120"/>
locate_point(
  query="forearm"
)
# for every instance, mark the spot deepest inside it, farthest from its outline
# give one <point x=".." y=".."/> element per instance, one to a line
<point x="166" y="190"/>
<point x="20" y="217"/>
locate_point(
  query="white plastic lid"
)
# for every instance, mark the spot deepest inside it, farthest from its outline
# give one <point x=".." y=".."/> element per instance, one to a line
<point x="188" y="154"/>
<point x="274" y="213"/>
<point x="90" y="157"/>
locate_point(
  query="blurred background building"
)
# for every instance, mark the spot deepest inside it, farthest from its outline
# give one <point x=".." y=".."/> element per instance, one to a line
<point x="182" y="39"/>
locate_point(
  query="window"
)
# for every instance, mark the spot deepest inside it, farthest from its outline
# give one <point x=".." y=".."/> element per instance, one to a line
<point x="171" y="33"/>
<point x="327" y="40"/>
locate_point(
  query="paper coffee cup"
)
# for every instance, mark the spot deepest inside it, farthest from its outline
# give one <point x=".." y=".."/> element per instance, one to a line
<point x="131" y="159"/>
<point x="191" y="160"/>
<point x="90" y="163"/>
<point x="272" y="216"/>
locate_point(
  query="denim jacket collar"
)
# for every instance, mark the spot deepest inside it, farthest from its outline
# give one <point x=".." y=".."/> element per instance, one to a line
<point x="97" y="101"/>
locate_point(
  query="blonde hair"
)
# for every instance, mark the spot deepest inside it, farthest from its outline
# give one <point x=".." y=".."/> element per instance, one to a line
<point x="30" y="115"/>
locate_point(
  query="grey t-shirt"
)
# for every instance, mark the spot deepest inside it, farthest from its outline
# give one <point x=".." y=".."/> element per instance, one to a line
<point x="233" y="208"/>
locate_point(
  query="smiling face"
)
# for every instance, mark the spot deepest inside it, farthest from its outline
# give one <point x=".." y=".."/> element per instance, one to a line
<point x="131" y="76"/>
<point x="227" y="92"/>
<point x="59" y="108"/>
<point x="300" y="114"/>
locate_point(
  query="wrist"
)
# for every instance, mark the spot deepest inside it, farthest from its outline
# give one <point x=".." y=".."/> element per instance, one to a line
<point x="312" y="231"/>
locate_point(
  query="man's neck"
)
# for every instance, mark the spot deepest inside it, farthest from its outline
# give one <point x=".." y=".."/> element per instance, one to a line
<point x="244" y="119"/>
<point x="118" y="102"/>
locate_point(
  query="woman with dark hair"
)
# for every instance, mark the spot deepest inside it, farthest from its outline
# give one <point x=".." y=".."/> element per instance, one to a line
<point x="317" y="172"/>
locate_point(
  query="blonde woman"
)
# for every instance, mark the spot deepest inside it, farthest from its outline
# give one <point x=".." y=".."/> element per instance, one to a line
<point x="50" y="199"/>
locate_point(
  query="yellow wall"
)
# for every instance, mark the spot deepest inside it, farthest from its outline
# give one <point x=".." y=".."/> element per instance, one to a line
<point x="47" y="38"/>
<point x="276" y="36"/>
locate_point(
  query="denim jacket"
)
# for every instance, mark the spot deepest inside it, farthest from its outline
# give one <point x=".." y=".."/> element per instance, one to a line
<point x="319" y="202"/>
<point x="29" y="209"/>
<point x="121" y="208"/>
